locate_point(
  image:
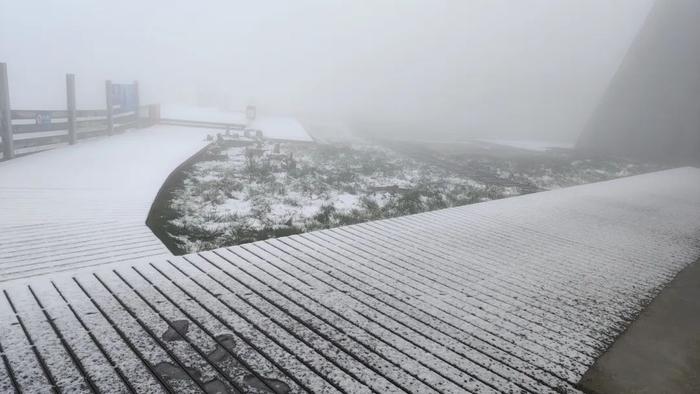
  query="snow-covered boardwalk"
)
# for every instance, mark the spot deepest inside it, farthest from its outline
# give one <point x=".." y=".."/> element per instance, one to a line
<point x="87" y="204"/>
<point x="515" y="295"/>
<point x="280" y="128"/>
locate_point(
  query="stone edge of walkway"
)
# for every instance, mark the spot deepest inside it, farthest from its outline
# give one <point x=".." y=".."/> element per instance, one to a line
<point x="660" y="351"/>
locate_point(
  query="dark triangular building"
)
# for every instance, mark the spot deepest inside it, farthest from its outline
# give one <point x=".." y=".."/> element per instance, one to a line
<point x="651" y="109"/>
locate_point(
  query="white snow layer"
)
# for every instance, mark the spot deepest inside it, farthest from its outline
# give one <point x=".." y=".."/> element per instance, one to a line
<point x="272" y="127"/>
<point x="87" y="204"/>
<point x="513" y="295"/>
<point x="532" y="145"/>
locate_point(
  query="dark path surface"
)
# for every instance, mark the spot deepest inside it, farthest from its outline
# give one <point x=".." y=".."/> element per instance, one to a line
<point x="660" y="352"/>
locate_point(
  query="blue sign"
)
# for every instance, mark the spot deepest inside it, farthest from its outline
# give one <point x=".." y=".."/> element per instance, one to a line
<point x="125" y="97"/>
<point x="43" y="118"/>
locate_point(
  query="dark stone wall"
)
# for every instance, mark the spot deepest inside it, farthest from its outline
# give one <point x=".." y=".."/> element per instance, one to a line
<point x="651" y="110"/>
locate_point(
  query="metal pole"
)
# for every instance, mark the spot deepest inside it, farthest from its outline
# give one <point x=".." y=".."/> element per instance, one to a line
<point x="8" y="150"/>
<point x="70" y="99"/>
<point x="110" y="108"/>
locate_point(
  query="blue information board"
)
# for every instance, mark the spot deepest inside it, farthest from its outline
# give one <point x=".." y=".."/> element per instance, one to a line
<point x="124" y="97"/>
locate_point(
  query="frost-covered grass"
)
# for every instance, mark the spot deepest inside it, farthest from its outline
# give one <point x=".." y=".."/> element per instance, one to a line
<point x="243" y="191"/>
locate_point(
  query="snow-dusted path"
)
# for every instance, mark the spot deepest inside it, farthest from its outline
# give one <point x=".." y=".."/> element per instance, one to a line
<point x="87" y="204"/>
<point x="282" y="128"/>
<point x="514" y="295"/>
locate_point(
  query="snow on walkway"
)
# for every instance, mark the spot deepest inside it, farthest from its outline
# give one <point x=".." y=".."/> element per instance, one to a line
<point x="514" y="295"/>
<point x="87" y="204"/>
<point x="273" y="127"/>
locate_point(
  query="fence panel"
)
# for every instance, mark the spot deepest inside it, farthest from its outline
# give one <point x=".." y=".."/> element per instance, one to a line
<point x="24" y="131"/>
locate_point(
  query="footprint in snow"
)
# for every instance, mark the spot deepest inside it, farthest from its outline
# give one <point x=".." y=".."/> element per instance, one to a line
<point x="279" y="386"/>
<point x="171" y="371"/>
<point x="173" y="333"/>
<point x="220" y="353"/>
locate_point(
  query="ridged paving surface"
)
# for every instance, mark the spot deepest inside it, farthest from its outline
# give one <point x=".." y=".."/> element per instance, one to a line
<point x="87" y="204"/>
<point x="515" y="295"/>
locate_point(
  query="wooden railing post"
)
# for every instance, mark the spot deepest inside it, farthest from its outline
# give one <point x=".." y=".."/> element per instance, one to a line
<point x="137" y="103"/>
<point x="8" y="150"/>
<point x="70" y="100"/>
<point x="154" y="114"/>
<point x="110" y="108"/>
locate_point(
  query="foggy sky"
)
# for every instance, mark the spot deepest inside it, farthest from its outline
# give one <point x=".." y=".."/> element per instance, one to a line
<point x="451" y="69"/>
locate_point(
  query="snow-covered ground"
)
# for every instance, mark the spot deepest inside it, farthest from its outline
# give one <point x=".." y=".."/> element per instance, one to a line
<point x="229" y="198"/>
<point x="533" y="145"/>
<point x="87" y="204"/>
<point x="281" y="128"/>
<point x="513" y="295"/>
<point x="201" y="114"/>
<point x="273" y="127"/>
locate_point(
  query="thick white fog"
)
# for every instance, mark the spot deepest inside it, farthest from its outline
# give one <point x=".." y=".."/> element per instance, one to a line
<point x="454" y="69"/>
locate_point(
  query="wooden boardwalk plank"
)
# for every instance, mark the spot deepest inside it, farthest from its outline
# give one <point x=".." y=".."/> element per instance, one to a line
<point x="87" y="204"/>
<point x="515" y="295"/>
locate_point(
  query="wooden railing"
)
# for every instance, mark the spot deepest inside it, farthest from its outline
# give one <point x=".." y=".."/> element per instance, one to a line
<point x="199" y="123"/>
<point x="27" y="131"/>
<point x="36" y="130"/>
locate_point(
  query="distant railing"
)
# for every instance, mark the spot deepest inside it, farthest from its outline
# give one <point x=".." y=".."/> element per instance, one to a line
<point x="198" y="123"/>
<point x="27" y="131"/>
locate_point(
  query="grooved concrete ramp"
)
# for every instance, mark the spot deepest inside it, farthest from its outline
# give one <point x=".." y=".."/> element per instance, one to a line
<point x="86" y="204"/>
<point x="514" y="295"/>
